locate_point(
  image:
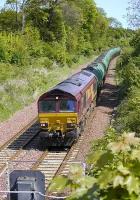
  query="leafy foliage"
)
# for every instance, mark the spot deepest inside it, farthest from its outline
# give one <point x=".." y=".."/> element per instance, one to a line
<point x="128" y="69"/>
<point x="16" y="49"/>
<point x="7" y="20"/>
<point x="75" y="182"/>
<point x="112" y="173"/>
<point x="127" y="117"/>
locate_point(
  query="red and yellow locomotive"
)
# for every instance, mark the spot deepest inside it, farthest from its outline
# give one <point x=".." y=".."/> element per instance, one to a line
<point x="63" y="110"/>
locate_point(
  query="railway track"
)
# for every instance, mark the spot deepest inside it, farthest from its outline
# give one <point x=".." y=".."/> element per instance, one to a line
<point x="12" y="148"/>
<point x="71" y="158"/>
<point x="49" y="163"/>
<point x="53" y="163"/>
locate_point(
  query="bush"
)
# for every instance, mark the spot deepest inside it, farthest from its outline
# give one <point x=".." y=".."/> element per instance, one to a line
<point x="131" y="75"/>
<point x="13" y="48"/>
<point x="33" y="42"/>
<point x="56" y="52"/>
<point x="128" y="113"/>
<point x="18" y="48"/>
<point x="128" y="69"/>
<point x="2" y="53"/>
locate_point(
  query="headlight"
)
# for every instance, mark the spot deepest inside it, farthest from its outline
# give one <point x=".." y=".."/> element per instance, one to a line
<point x="44" y="125"/>
<point x="70" y="125"/>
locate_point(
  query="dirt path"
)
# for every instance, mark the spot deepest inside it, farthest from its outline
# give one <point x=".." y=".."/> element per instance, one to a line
<point x="103" y="113"/>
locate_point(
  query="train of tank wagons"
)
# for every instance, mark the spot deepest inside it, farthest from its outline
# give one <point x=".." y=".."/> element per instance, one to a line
<point x="64" y="110"/>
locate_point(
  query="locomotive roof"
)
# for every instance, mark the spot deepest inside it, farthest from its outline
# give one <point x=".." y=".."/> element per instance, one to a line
<point x="73" y="85"/>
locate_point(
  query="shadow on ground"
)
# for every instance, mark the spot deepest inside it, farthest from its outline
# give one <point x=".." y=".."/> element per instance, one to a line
<point x="109" y="96"/>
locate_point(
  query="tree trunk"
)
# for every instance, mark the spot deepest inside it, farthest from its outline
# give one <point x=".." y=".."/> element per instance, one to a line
<point x="23" y="16"/>
<point x="17" y="14"/>
<point x="23" y="21"/>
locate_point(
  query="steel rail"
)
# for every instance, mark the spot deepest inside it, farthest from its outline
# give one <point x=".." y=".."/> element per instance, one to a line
<point x="18" y="134"/>
<point x="13" y="147"/>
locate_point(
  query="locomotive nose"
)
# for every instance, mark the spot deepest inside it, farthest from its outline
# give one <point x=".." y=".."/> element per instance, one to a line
<point x="58" y="122"/>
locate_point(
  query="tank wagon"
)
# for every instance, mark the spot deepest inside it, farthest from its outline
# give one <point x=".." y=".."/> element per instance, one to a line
<point x="100" y="66"/>
<point x="64" y="109"/>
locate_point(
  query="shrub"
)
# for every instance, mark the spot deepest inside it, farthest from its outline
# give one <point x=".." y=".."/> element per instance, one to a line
<point x="33" y="42"/>
<point x="2" y="53"/>
<point x="56" y="52"/>
<point x="13" y="48"/>
<point x="128" y="113"/>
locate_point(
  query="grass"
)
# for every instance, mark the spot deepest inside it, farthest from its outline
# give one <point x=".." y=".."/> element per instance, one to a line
<point x="22" y="85"/>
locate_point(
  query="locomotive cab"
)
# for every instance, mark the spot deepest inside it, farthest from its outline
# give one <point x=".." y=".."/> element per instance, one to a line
<point x="57" y="114"/>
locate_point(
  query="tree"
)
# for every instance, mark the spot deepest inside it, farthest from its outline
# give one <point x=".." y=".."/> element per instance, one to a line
<point x="14" y="6"/>
<point x="19" y="7"/>
<point x="114" y="23"/>
<point x="102" y="11"/>
<point x="133" y="14"/>
<point x="9" y="21"/>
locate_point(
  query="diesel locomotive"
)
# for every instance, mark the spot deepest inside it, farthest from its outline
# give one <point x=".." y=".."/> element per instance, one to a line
<point x="64" y="109"/>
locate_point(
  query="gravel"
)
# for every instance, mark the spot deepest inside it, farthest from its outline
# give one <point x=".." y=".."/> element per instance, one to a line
<point x="25" y="160"/>
<point x="17" y="122"/>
